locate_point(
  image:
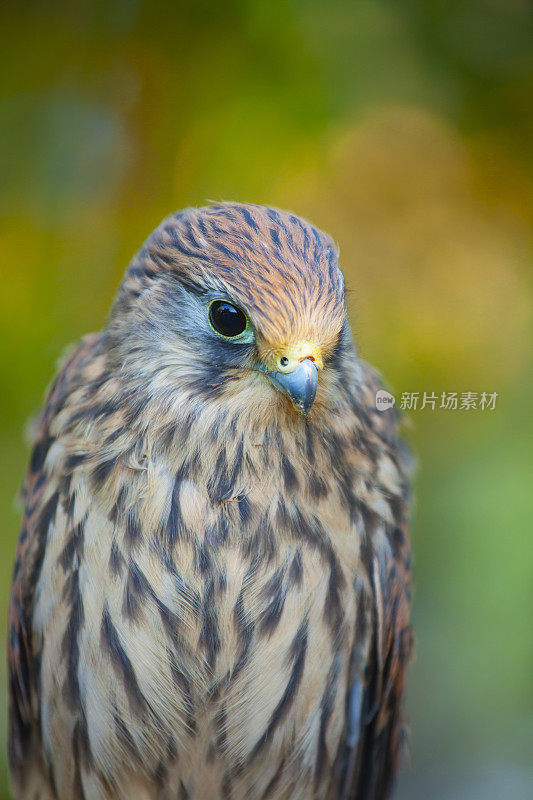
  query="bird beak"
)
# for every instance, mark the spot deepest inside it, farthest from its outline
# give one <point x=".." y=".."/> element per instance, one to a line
<point x="300" y="384"/>
<point x="296" y="374"/>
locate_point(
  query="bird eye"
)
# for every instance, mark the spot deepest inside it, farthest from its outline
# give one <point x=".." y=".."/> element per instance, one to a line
<point x="227" y="319"/>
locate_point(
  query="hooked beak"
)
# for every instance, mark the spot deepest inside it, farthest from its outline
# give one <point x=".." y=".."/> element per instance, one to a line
<point x="300" y="384"/>
<point x="296" y="374"/>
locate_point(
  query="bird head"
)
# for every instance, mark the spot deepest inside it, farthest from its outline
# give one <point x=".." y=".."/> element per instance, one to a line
<point x="233" y="293"/>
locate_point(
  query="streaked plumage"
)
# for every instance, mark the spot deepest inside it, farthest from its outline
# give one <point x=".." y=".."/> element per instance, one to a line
<point x="211" y="591"/>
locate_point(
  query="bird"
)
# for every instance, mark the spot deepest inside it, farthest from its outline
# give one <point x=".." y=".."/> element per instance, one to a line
<point x="211" y="589"/>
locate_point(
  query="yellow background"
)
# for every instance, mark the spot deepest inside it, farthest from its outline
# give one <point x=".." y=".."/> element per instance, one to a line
<point x="405" y="130"/>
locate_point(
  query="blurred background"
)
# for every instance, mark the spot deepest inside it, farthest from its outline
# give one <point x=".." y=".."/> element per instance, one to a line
<point x="405" y="129"/>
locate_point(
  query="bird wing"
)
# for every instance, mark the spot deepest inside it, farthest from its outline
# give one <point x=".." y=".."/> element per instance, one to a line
<point x="41" y="496"/>
<point x="374" y="731"/>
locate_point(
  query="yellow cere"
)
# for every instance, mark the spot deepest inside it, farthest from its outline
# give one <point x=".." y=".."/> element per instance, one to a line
<point x="295" y="353"/>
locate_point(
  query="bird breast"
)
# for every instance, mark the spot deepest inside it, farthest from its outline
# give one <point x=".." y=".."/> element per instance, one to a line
<point x="208" y="625"/>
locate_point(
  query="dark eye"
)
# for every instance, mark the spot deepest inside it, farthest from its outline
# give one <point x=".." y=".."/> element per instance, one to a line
<point x="227" y="319"/>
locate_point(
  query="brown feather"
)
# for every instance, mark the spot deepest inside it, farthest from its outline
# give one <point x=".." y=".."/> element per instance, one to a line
<point x="211" y="592"/>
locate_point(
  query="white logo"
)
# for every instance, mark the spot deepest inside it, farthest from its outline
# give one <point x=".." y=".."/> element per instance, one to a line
<point x="384" y="400"/>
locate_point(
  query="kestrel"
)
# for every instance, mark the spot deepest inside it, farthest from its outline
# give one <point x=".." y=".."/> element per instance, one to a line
<point x="210" y="596"/>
